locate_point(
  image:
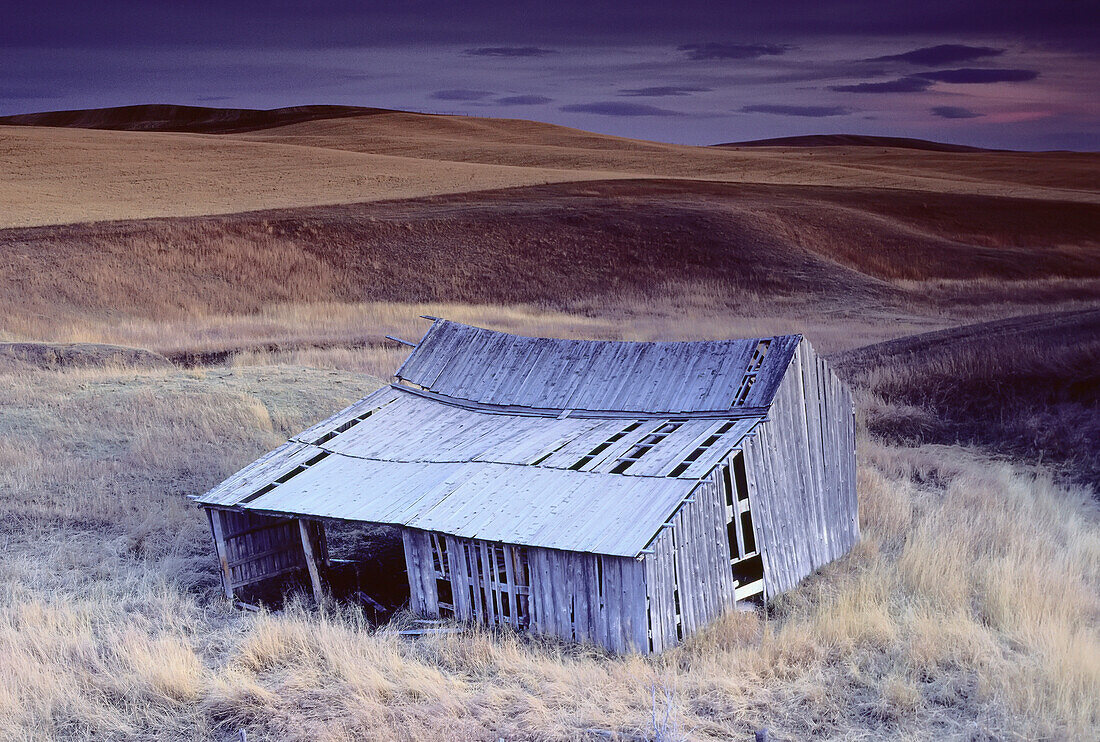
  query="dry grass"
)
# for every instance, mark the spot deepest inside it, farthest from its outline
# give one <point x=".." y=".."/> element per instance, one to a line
<point x="520" y="143"/>
<point x="61" y="176"/>
<point x="971" y="608"/>
<point x="336" y="326"/>
<point x="629" y="258"/>
<point x="1027" y="387"/>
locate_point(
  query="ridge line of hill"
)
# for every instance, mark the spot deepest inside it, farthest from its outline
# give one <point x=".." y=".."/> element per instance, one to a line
<point x="859" y="140"/>
<point x="169" y="117"/>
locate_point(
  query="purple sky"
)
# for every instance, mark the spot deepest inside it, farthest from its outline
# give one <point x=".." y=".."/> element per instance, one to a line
<point x="992" y="73"/>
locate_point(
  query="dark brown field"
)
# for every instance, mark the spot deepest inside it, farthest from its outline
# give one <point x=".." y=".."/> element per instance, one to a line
<point x="568" y="245"/>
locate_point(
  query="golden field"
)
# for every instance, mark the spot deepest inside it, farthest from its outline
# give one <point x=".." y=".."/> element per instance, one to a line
<point x="55" y="175"/>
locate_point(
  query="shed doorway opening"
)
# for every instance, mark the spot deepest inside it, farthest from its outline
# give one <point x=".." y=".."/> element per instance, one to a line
<point x="366" y="566"/>
<point x="745" y="560"/>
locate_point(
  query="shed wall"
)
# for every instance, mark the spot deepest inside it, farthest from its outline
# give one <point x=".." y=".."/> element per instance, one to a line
<point x="589" y="597"/>
<point x="253" y="548"/>
<point x="572" y="595"/>
<point x="688" y="577"/>
<point x="801" y="474"/>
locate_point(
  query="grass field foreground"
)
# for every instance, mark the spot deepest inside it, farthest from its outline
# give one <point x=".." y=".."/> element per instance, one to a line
<point x="969" y="609"/>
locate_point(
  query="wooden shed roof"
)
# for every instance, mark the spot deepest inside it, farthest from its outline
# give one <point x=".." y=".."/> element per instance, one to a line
<point x="496" y="368"/>
<point x="602" y="480"/>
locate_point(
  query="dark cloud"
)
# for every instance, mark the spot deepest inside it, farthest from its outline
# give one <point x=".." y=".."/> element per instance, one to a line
<point x="510" y="51"/>
<point x="479" y="23"/>
<point x="808" y="111"/>
<point x="524" y="100"/>
<point x="932" y="56"/>
<point x="661" y="91"/>
<point x="910" y="84"/>
<point x="921" y="81"/>
<point x="954" y="112"/>
<point x="461" y="94"/>
<point x="264" y="54"/>
<point x="970" y="75"/>
<point x="618" y="108"/>
<point x="712" y="50"/>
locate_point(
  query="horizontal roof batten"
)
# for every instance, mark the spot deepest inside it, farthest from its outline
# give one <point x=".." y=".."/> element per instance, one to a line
<point x="733" y="413"/>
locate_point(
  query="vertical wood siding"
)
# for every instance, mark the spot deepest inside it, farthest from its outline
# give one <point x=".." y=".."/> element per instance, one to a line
<point x="576" y="596"/>
<point x="589" y="597"/>
<point x="801" y="474"/>
<point x="688" y="577"/>
<point x="255" y="547"/>
<point x="423" y="596"/>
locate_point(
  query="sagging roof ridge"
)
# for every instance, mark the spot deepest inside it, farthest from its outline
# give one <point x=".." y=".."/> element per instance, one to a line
<point x="317" y="436"/>
<point x="733" y="413"/>
<point x="645" y="378"/>
<point x="321" y="448"/>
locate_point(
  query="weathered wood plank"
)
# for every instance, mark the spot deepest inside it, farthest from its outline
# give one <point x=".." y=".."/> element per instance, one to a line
<point x="310" y="551"/>
<point x="217" y="529"/>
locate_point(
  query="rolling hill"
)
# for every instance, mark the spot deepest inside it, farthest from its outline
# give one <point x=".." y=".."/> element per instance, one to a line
<point x="854" y="140"/>
<point x="564" y="245"/>
<point x="143" y="162"/>
<point x="194" y="119"/>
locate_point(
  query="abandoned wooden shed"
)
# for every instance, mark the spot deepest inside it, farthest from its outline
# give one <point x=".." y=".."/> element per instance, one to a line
<point x="615" y="492"/>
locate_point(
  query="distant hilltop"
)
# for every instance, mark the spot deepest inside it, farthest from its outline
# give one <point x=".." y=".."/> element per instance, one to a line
<point x="168" y="117"/>
<point x="194" y="119"/>
<point x="856" y="140"/>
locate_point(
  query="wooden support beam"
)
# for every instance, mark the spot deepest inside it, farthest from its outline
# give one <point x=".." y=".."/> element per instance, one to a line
<point x="749" y="590"/>
<point x="218" y="529"/>
<point x="309" y="548"/>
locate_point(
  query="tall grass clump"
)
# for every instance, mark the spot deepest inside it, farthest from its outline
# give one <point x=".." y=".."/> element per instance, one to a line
<point x="1028" y="388"/>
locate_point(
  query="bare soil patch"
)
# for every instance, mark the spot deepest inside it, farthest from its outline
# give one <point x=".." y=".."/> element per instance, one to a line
<point x="78" y="355"/>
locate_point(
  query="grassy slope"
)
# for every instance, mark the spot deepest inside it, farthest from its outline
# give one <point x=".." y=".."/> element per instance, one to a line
<point x="969" y="610"/>
<point x="1027" y="387"/>
<point x="630" y="245"/>
<point x="1058" y="175"/>
<point x="58" y="176"/>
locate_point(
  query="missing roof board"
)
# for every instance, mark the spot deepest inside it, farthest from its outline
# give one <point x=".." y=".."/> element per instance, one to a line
<point x="587" y="458"/>
<point x="645" y="445"/>
<point x="755" y="363"/>
<point x="285" y="477"/>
